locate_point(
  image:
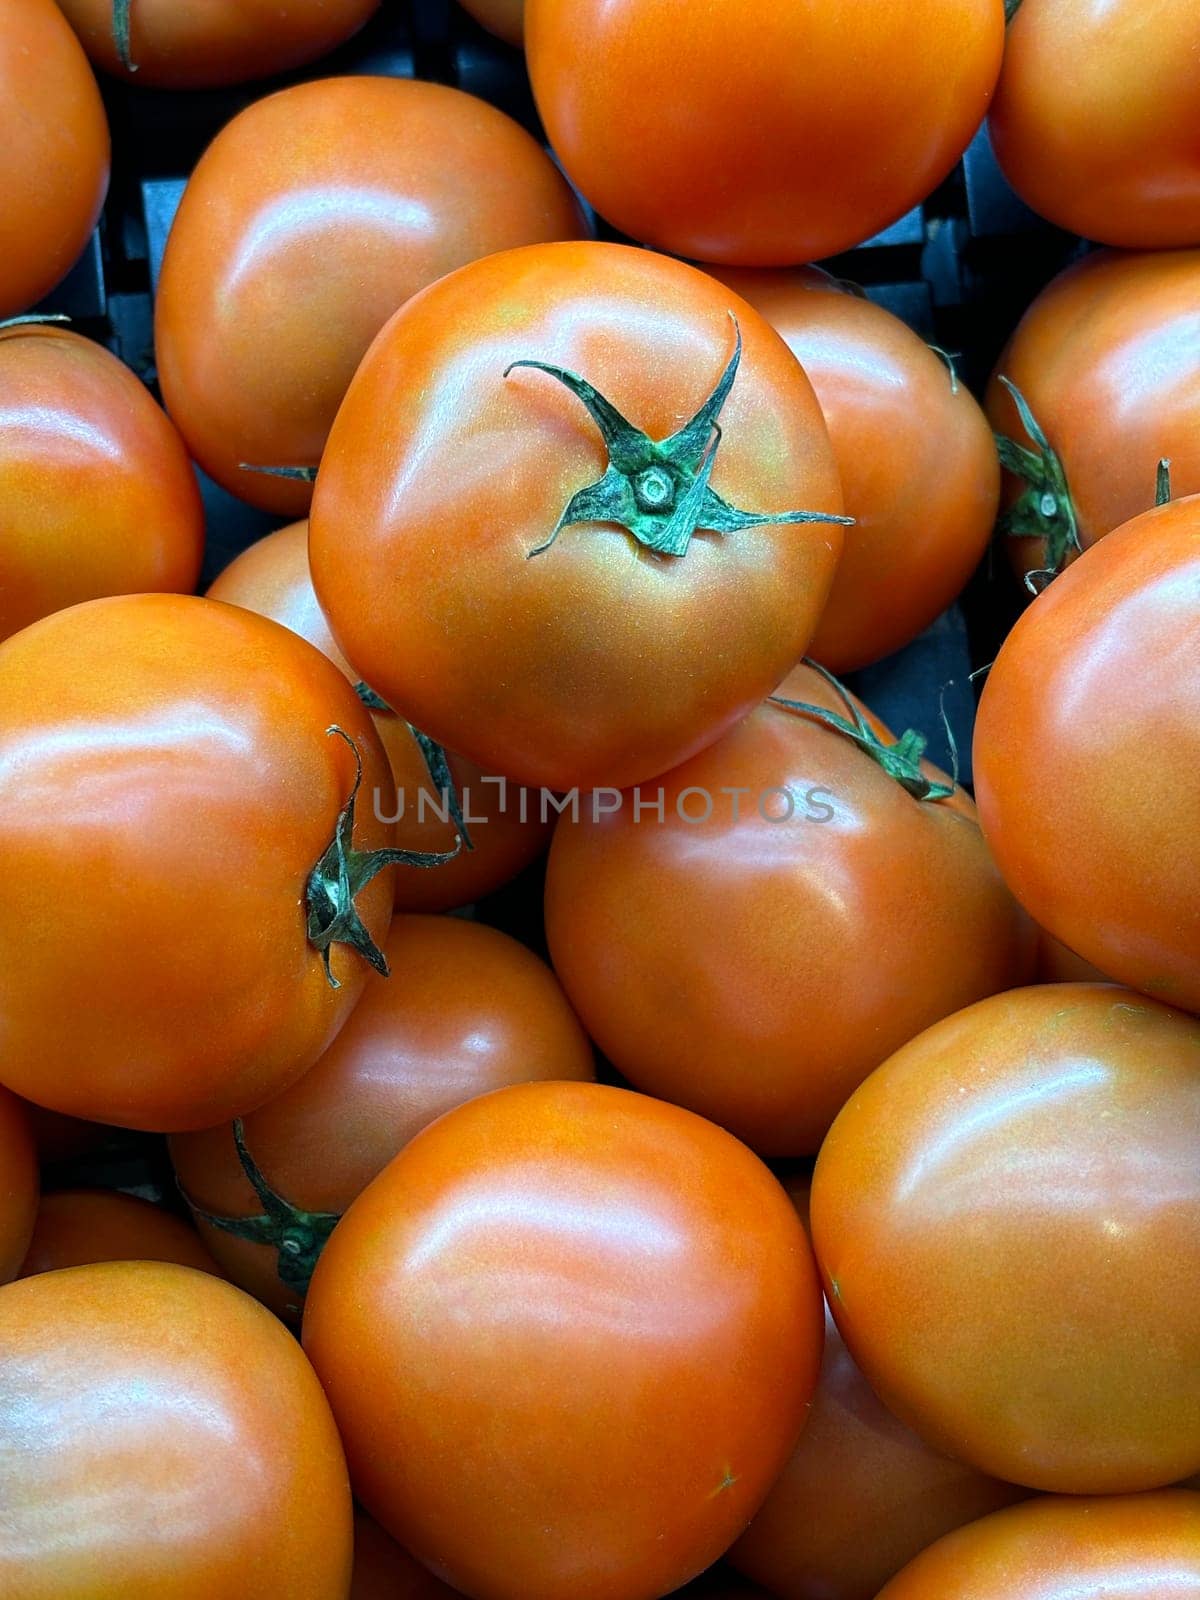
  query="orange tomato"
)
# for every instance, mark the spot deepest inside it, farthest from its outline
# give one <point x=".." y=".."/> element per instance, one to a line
<point x="382" y="1571"/>
<point x="18" y="1184"/>
<point x="76" y="1227"/>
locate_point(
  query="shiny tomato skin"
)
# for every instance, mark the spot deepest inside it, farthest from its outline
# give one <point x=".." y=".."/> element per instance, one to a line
<point x="97" y="495"/>
<point x="507" y="827"/>
<point x="214" y="42"/>
<point x="757" y="970"/>
<point x="167" y="784"/>
<point x="1087" y="747"/>
<point x="1108" y="357"/>
<point x="18" y="1184"/>
<point x="504" y="18"/>
<point x="77" y="1227"/>
<point x="1094" y="115"/>
<point x="1005" y="1215"/>
<point x="597" y="661"/>
<point x="467" y="1010"/>
<point x="758" y="143"/>
<point x="54" y="152"/>
<point x="1137" y="1547"/>
<point x="163" y="1435"/>
<point x="388" y="183"/>
<point x="383" y="1571"/>
<point x="569" y="1335"/>
<point x="916" y="456"/>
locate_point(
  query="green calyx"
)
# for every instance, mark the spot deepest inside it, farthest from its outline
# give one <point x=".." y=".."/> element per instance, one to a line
<point x="296" y="1236"/>
<point x="343" y="872"/>
<point x="120" y="21"/>
<point x="434" y="756"/>
<point x="659" y="490"/>
<point x="901" y="761"/>
<point x="1162" y="485"/>
<point x="949" y="359"/>
<point x="32" y="319"/>
<point x="298" y="474"/>
<point x="1045" y="511"/>
<point x="1011" y="7"/>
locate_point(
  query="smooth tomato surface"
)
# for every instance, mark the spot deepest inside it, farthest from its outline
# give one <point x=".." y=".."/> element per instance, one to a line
<point x="569" y="1336"/>
<point x="1140" y="1547"/>
<point x="1007" y="1215"/>
<point x="310" y="218"/>
<point x="18" y="1184"/>
<point x="168" y="783"/>
<point x="505" y="18"/>
<point x="756" y="139"/>
<point x="467" y="1010"/>
<point x="916" y="456"/>
<point x="1087" y="748"/>
<point x="756" y="964"/>
<point x="509" y="826"/>
<point x="1094" y="115"/>
<point x="76" y="1227"/>
<point x="161" y="1434"/>
<point x="383" y="1571"/>
<point x="97" y="494"/>
<point x="598" y="660"/>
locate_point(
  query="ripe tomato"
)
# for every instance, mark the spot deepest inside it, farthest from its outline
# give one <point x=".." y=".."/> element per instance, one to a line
<point x="469" y="1010"/>
<point x="569" y="1336"/>
<point x="1108" y="360"/>
<point x="97" y="494"/>
<point x="18" y="1184"/>
<point x="310" y="218"/>
<point x="173" y="46"/>
<point x="444" y="540"/>
<point x="171" y="787"/>
<point x="383" y="1571"/>
<point x="54" y="152"/>
<point x="505" y="18"/>
<point x="163" y="1435"/>
<point x="794" y="917"/>
<point x="76" y="1227"/>
<point x="1094" y="115"/>
<point x="1086" y="754"/>
<point x="506" y="823"/>
<point x="756" y="139"/>
<point x="1006" y="1215"/>
<point x="915" y="453"/>
<point x="1140" y="1547"/>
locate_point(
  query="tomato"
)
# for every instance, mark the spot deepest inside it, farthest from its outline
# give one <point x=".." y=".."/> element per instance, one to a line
<point x="1143" y="1547"/>
<point x="569" y="1336"/>
<point x="163" y="1435"/>
<point x="469" y="1010"/>
<point x="382" y="1571"/>
<point x="506" y="824"/>
<point x="591" y="652"/>
<point x="97" y="494"/>
<point x="915" y="453"/>
<point x="1108" y="360"/>
<point x="1086" y="753"/>
<point x="793" y="917"/>
<point x="1057" y="964"/>
<point x="505" y="18"/>
<point x="18" y="1184"/>
<point x="1006" y="1216"/>
<point x="173" y="790"/>
<point x="309" y="219"/>
<point x="1093" y="118"/>
<point x="755" y="138"/>
<point x="76" y="1227"/>
<point x="173" y="46"/>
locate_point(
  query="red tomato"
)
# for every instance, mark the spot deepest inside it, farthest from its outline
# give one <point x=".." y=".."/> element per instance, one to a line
<point x="1007" y="1216"/>
<point x="97" y="494"/>
<point x="469" y="1010"/>
<point x="310" y="218"/>
<point x="755" y="139"/>
<point x="1108" y="360"/>
<point x="382" y="1571"/>
<point x="163" y="1435"/>
<point x="506" y="823"/>
<point x="18" y="1184"/>
<point x="794" y="917"/>
<point x="608" y="653"/>
<point x="76" y="1227"/>
<point x="569" y="1336"/>
<point x="1144" y="1547"/>
<point x="1086" y="754"/>
<point x="54" y="152"/>
<point x="505" y="18"/>
<point x="171" y="789"/>
<point x="198" y="46"/>
<point x="1094" y="117"/>
<point x="915" y="453"/>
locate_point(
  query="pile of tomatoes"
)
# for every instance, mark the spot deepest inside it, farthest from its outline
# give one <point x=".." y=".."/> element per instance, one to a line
<point x="821" y="1220"/>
